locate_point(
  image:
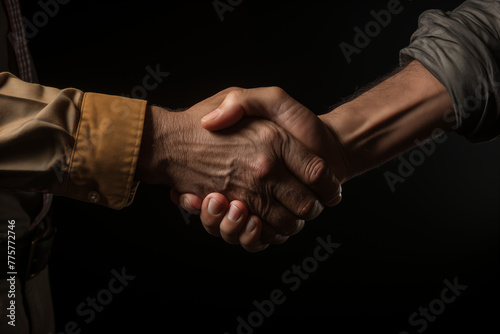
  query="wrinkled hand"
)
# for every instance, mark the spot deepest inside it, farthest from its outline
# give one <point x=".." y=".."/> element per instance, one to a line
<point x="256" y="162"/>
<point x="276" y="105"/>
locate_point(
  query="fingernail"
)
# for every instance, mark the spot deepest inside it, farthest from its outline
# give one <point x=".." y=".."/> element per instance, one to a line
<point x="318" y="208"/>
<point x="337" y="199"/>
<point x="299" y="225"/>
<point x="213" y="115"/>
<point x="214" y="207"/>
<point x="278" y="238"/>
<point x="187" y="205"/>
<point x="234" y="214"/>
<point x="251" y="225"/>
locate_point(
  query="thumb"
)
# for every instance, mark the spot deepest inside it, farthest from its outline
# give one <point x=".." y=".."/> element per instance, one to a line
<point x="271" y="103"/>
<point x="227" y="114"/>
<point x="274" y="104"/>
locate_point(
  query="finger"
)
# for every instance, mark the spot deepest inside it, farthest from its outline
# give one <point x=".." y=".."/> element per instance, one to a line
<point x="296" y="197"/>
<point x="269" y="235"/>
<point x="213" y="210"/>
<point x="336" y="200"/>
<point x="309" y="169"/>
<point x="274" y="104"/>
<point x="279" y="217"/>
<point x="233" y="222"/>
<point x="249" y="237"/>
<point x="258" y="102"/>
<point x="217" y="99"/>
<point x="222" y="119"/>
<point x="228" y="113"/>
<point x="271" y="103"/>
<point x="191" y="203"/>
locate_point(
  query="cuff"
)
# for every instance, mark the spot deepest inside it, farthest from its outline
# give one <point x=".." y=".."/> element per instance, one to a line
<point x="457" y="53"/>
<point x="106" y="150"/>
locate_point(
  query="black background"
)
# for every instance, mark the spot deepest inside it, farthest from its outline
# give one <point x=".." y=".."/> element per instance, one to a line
<point x="396" y="247"/>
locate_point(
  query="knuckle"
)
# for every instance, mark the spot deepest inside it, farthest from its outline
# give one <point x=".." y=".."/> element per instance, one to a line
<point x="316" y="171"/>
<point x="269" y="133"/>
<point x="231" y="89"/>
<point x="262" y="166"/>
<point x="234" y="93"/>
<point x="278" y="92"/>
<point x="302" y="203"/>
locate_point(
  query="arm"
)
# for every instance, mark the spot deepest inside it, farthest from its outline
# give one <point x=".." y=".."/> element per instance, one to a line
<point x="67" y="142"/>
<point x="256" y="162"/>
<point x="461" y="49"/>
<point x="92" y="147"/>
<point x="456" y="88"/>
<point x="390" y="119"/>
<point x="382" y="123"/>
<point x="452" y="82"/>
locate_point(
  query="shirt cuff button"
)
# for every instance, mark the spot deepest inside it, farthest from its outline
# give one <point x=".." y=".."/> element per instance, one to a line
<point x="94" y="197"/>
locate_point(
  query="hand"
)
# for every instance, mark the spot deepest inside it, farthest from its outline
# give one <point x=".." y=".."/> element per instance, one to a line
<point x="274" y="104"/>
<point x="269" y="171"/>
<point x="390" y="118"/>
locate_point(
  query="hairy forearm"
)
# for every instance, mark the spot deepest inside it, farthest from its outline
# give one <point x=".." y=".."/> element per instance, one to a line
<point x="391" y="118"/>
<point x="157" y="123"/>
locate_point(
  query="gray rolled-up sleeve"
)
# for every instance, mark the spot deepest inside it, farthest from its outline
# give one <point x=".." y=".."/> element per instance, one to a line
<point x="462" y="50"/>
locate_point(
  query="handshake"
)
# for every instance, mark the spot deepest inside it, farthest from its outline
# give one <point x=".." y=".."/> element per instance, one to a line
<point x="273" y="159"/>
<point x="256" y="164"/>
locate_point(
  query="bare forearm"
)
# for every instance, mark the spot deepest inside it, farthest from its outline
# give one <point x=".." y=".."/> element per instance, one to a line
<point x="391" y="118"/>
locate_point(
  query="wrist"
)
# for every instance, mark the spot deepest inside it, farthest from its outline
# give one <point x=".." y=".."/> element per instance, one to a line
<point x="156" y="151"/>
<point x="337" y="157"/>
<point x="390" y="118"/>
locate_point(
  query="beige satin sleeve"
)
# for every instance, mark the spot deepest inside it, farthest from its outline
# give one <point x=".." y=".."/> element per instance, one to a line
<point x="70" y="143"/>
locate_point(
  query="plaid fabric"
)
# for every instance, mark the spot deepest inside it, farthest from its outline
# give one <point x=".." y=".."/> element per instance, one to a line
<point x="18" y="40"/>
<point x="20" y="45"/>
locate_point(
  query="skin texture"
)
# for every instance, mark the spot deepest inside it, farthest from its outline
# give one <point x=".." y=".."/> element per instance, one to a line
<point x="270" y="172"/>
<point x="387" y="120"/>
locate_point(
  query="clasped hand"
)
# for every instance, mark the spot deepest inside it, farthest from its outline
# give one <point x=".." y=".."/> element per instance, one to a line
<point x="260" y="176"/>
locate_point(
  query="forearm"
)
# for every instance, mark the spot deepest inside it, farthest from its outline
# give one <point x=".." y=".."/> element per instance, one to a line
<point x="162" y="129"/>
<point x="67" y="142"/>
<point x="391" y="118"/>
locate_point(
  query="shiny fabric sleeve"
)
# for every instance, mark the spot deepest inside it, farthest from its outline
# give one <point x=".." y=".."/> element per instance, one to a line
<point x="70" y="143"/>
<point x="462" y="50"/>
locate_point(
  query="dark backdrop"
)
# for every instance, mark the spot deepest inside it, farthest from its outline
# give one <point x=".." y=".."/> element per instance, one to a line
<point x="397" y="247"/>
